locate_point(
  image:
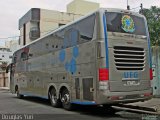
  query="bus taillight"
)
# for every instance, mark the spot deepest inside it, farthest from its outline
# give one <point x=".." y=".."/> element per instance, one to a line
<point x="151" y="74"/>
<point x="103" y="74"/>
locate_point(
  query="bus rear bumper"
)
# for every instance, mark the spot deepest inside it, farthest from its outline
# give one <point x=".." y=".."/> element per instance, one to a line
<point x="106" y="97"/>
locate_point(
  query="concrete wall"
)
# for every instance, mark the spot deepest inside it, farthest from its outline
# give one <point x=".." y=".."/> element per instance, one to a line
<point x="82" y="7"/>
<point x="13" y="45"/>
<point x="49" y="20"/>
<point x="28" y="27"/>
<point x="5" y="56"/>
<point x="4" y="81"/>
<point x="21" y="36"/>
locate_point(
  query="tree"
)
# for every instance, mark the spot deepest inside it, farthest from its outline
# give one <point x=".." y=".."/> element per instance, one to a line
<point x="3" y="66"/>
<point x="153" y="19"/>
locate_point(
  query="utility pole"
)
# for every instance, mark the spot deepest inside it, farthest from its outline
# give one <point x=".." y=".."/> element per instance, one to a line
<point x="128" y="7"/>
<point x="141" y="6"/>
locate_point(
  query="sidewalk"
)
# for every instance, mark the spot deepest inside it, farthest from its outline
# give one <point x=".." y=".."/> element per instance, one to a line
<point x="153" y="103"/>
<point x="4" y="88"/>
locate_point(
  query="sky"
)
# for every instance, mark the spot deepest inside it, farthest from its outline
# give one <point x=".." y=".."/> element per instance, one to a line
<point x="12" y="10"/>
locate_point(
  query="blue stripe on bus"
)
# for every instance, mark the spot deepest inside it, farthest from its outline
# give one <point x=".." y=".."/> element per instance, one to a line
<point x="31" y="95"/>
<point x="84" y="102"/>
<point x="106" y="40"/>
<point x="149" y="47"/>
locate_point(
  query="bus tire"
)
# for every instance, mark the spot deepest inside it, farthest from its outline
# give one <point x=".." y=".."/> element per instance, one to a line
<point x="55" y="102"/>
<point x="65" y="99"/>
<point x="109" y="109"/>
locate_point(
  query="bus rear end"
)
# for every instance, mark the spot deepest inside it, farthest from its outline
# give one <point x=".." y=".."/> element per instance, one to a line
<point x="124" y="64"/>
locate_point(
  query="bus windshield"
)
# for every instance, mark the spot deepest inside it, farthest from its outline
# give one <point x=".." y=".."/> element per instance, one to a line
<point x="124" y="23"/>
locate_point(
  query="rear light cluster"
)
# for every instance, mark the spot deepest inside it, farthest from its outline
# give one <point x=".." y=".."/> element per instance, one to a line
<point x="103" y="79"/>
<point x="151" y="74"/>
<point x="103" y="74"/>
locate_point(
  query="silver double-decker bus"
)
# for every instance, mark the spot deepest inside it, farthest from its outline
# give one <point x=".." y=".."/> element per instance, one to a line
<point x="101" y="59"/>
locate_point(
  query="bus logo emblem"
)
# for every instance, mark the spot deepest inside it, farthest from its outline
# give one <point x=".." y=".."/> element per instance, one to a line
<point x="130" y="75"/>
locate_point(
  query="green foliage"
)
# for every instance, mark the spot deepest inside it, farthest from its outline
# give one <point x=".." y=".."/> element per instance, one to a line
<point x="153" y="18"/>
<point x="3" y="65"/>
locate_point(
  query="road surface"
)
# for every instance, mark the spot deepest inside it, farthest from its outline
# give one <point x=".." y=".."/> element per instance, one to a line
<point x="29" y="108"/>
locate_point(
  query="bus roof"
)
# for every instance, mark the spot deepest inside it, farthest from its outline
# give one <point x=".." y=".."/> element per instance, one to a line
<point x="81" y="18"/>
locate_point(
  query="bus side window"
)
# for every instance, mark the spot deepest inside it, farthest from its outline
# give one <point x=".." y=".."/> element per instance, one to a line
<point x="24" y="56"/>
<point x="86" y="28"/>
<point x="71" y="37"/>
<point x="14" y="59"/>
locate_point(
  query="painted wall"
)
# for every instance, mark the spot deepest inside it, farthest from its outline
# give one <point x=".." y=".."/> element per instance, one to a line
<point x="82" y="7"/>
<point x="50" y="20"/>
<point x="4" y="79"/>
<point x="13" y="45"/>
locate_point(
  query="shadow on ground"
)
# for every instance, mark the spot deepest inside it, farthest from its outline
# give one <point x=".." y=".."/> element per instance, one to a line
<point x="91" y="111"/>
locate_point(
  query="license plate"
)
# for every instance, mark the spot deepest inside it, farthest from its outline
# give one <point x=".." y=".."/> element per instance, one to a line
<point x="131" y="83"/>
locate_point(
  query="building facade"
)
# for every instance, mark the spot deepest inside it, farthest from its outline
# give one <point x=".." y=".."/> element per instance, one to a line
<point x="38" y="22"/>
<point x="82" y="7"/>
<point x="13" y="45"/>
<point x="5" y="59"/>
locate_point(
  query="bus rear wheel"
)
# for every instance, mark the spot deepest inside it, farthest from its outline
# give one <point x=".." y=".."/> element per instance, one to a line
<point x="109" y="109"/>
<point x="55" y="102"/>
<point x="65" y="99"/>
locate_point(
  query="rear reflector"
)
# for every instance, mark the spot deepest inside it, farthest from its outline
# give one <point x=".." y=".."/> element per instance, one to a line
<point x="151" y="74"/>
<point x="147" y="94"/>
<point x="103" y="74"/>
<point x="114" y="97"/>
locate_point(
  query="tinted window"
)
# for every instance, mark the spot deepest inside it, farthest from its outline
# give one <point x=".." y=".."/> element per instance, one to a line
<point x="71" y="37"/>
<point x="24" y="56"/>
<point x="79" y="32"/>
<point x="86" y="27"/>
<point x="114" y="23"/>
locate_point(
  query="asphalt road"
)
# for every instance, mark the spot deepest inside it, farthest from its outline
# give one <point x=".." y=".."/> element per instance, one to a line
<point x="29" y="108"/>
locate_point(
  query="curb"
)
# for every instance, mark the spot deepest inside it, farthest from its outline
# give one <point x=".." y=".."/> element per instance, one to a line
<point x="4" y="88"/>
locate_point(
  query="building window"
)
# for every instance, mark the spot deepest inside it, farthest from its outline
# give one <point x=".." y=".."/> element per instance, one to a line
<point x="61" y="24"/>
<point x="24" y="34"/>
<point x="10" y="57"/>
<point x="34" y="33"/>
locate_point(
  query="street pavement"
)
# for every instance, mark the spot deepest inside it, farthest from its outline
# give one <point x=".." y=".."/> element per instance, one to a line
<point x="32" y="108"/>
<point x="152" y="103"/>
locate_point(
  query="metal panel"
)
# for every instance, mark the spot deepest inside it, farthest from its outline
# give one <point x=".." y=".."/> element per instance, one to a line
<point x="129" y="65"/>
<point x="77" y="88"/>
<point x="156" y="70"/>
<point x="87" y="88"/>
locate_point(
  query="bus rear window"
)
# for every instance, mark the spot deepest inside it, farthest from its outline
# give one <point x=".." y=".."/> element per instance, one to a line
<point x="118" y="22"/>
